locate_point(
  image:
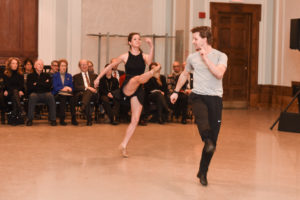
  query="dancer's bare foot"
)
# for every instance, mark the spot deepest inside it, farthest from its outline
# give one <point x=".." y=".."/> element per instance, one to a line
<point x="123" y="151"/>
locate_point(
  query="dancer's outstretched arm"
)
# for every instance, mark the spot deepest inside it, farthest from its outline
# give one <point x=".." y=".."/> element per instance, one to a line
<point x="117" y="61"/>
<point x="149" y="57"/>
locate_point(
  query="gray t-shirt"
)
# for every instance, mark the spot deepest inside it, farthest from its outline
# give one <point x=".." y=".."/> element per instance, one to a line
<point x="205" y="83"/>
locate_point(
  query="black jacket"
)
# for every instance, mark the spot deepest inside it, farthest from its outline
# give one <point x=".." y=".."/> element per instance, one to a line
<point x="15" y="82"/>
<point x="108" y="85"/>
<point x="153" y="85"/>
<point x="39" y="83"/>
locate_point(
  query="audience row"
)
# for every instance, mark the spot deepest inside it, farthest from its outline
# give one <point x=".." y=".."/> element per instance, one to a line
<point x="31" y="84"/>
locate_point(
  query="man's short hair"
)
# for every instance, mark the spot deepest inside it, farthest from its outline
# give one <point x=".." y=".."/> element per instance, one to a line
<point x="204" y="32"/>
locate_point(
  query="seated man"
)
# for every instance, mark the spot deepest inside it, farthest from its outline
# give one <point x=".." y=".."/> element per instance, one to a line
<point x="84" y="90"/>
<point x="39" y="86"/>
<point x="181" y="105"/>
<point x="54" y="68"/>
<point x="117" y="73"/>
<point x="91" y="67"/>
<point x="108" y="90"/>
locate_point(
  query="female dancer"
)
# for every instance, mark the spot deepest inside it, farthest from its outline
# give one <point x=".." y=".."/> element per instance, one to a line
<point x="135" y="61"/>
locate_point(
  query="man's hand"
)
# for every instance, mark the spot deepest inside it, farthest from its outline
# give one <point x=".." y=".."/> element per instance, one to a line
<point x="173" y="97"/>
<point x="110" y="95"/>
<point x="93" y="90"/>
<point x="21" y="93"/>
<point x="203" y="54"/>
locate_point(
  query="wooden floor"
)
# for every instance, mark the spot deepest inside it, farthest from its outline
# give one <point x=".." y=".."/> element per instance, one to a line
<point x="83" y="163"/>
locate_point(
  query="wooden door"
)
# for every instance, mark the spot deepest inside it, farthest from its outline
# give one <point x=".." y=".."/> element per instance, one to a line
<point x="232" y="27"/>
<point x="18" y="29"/>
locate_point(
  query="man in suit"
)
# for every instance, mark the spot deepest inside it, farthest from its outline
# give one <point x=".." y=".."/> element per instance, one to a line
<point x="117" y="73"/>
<point x="181" y="105"/>
<point x="91" y="67"/>
<point x="84" y="89"/>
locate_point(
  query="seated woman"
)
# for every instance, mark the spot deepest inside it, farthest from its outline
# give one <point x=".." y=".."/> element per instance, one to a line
<point x="156" y="89"/>
<point x="14" y="84"/>
<point x="63" y="91"/>
<point x="27" y="69"/>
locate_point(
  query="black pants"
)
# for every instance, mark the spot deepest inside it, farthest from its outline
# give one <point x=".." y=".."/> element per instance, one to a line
<point x="46" y="98"/>
<point x="86" y="97"/>
<point x="160" y="101"/>
<point x="111" y="106"/>
<point x="16" y="101"/>
<point x="62" y="106"/>
<point x="208" y="114"/>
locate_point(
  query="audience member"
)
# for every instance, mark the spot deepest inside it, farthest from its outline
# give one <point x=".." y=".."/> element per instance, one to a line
<point x="39" y="86"/>
<point x="91" y="67"/>
<point x="14" y="84"/>
<point x="181" y="105"/>
<point x="110" y="96"/>
<point x="63" y="91"/>
<point x="54" y="67"/>
<point x="84" y="90"/>
<point x="118" y="74"/>
<point x="156" y="89"/>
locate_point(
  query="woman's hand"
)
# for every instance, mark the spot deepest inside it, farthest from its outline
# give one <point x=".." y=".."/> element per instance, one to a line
<point x="21" y="93"/>
<point x="149" y="42"/>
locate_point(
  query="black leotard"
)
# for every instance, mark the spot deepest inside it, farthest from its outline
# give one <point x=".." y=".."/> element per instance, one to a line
<point x="135" y="66"/>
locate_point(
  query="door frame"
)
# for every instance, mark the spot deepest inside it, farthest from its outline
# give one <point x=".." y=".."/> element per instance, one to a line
<point x="255" y="12"/>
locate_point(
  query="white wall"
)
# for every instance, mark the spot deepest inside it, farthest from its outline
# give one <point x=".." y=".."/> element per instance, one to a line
<point x="60" y="31"/>
<point x="115" y="17"/>
<point x="64" y="25"/>
<point x="287" y="61"/>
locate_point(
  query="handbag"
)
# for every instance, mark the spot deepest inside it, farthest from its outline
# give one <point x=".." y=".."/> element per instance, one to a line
<point x="15" y="118"/>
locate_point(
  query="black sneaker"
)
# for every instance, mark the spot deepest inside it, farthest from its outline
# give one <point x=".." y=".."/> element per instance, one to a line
<point x="203" y="180"/>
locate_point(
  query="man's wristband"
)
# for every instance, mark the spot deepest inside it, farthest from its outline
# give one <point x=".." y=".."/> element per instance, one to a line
<point x="175" y="92"/>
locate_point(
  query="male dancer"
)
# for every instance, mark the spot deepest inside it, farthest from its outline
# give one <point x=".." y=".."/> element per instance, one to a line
<point x="208" y="66"/>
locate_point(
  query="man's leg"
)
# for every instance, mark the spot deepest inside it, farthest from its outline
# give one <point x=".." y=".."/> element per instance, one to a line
<point x="200" y="110"/>
<point x="49" y="99"/>
<point x="32" y="101"/>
